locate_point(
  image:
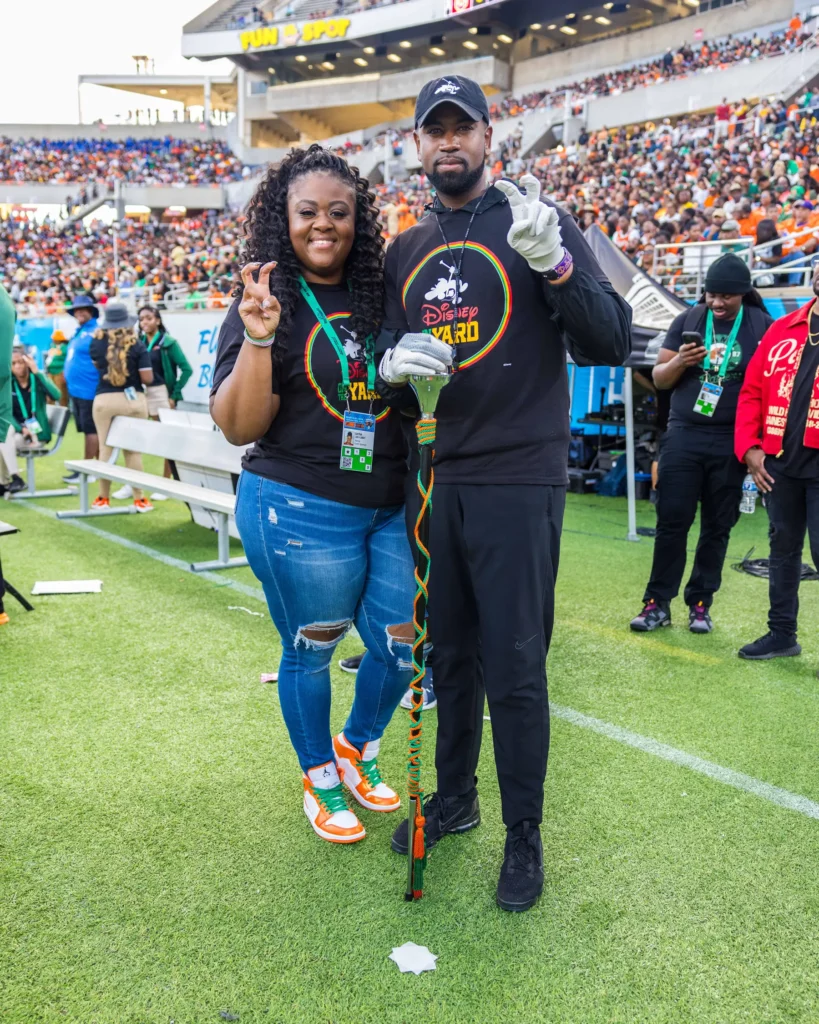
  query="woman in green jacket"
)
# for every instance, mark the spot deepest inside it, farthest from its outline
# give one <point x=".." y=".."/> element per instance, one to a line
<point x="30" y="391"/>
<point x="172" y="371"/>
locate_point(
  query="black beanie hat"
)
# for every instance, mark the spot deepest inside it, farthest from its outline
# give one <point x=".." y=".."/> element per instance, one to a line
<point x="728" y="275"/>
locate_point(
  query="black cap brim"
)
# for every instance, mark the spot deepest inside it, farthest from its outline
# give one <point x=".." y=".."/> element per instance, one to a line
<point x="476" y="115"/>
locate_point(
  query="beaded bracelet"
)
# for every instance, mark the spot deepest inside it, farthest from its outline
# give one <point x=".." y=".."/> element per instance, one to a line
<point x="267" y="342"/>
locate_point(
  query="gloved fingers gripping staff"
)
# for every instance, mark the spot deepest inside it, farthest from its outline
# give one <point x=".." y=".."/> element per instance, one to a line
<point x="535" y="231"/>
<point x="419" y="354"/>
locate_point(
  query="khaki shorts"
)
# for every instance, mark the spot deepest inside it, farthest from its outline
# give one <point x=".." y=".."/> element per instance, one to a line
<point x="157" y="396"/>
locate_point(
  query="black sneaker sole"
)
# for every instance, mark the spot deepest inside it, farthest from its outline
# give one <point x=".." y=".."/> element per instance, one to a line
<point x="691" y="629"/>
<point x="517" y="908"/>
<point x="786" y="652"/>
<point x="466" y="826"/>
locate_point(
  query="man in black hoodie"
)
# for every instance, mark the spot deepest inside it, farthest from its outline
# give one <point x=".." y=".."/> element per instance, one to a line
<point x="509" y="282"/>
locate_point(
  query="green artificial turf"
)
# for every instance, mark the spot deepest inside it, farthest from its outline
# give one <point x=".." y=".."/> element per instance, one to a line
<point x="155" y="865"/>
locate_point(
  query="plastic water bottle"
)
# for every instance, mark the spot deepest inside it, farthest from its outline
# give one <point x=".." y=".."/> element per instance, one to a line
<point x="749" y="494"/>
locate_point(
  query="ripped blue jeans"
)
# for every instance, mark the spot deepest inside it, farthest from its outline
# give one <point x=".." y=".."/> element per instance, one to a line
<point x="326" y="565"/>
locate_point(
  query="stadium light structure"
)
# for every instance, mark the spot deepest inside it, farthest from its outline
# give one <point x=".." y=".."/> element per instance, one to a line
<point x="536" y="27"/>
<point x="470" y="45"/>
<point x="437" y="51"/>
<point x="504" y="38"/>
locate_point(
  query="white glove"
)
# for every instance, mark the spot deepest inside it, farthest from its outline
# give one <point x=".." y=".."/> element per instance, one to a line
<point x="418" y="354"/>
<point x="535" y="232"/>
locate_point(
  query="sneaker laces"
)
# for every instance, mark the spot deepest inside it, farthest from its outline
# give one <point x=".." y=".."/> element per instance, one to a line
<point x="521" y="850"/>
<point x="332" y="800"/>
<point x="369" y="769"/>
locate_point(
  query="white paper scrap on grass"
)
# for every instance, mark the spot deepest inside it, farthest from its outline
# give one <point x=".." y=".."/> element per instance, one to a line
<point x="411" y="957"/>
<point x="66" y="587"/>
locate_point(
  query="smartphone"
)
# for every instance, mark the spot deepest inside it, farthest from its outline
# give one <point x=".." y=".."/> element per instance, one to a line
<point x="692" y="338"/>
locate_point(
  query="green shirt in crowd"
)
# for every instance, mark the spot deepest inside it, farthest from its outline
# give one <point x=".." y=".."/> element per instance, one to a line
<point x="8" y="316"/>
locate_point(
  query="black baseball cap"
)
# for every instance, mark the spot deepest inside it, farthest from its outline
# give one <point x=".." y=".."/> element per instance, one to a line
<point x="463" y="92"/>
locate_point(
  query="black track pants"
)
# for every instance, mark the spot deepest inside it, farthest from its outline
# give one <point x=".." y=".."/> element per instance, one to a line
<point x="495" y="552"/>
<point x="694" y="470"/>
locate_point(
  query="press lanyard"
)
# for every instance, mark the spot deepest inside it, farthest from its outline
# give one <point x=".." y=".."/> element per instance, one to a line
<point x="335" y="341"/>
<point x="460" y="261"/>
<point x="33" y="393"/>
<point x="153" y="341"/>
<point x="729" y="344"/>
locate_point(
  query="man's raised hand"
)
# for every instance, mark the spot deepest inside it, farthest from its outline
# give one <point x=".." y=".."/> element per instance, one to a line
<point x="535" y="232"/>
<point x="259" y="310"/>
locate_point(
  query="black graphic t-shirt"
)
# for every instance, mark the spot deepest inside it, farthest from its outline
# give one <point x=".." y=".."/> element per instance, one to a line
<point x="504" y="416"/>
<point x="797" y="459"/>
<point x="136" y="359"/>
<point x="303" y="445"/>
<point x="684" y="395"/>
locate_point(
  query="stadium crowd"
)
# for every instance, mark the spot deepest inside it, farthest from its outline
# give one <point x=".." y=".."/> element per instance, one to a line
<point x="42" y="269"/>
<point x="741" y="171"/>
<point x="166" y="161"/>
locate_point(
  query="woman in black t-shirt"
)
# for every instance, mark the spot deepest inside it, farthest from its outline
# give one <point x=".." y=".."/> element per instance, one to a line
<point x="320" y="501"/>
<point x="697" y="461"/>
<point x="125" y="368"/>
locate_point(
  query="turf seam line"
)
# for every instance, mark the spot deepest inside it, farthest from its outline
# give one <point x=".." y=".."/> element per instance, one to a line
<point x="727" y="776"/>
<point x="158" y="556"/>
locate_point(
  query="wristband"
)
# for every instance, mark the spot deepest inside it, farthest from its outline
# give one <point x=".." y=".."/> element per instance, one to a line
<point x="561" y="268"/>
<point x="267" y="342"/>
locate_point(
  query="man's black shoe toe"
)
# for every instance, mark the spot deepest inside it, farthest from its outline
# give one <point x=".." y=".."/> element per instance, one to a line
<point x="521" y="877"/>
<point x="444" y="816"/>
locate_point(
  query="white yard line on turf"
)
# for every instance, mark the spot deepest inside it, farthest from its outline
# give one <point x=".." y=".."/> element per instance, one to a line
<point x="158" y="556"/>
<point x="727" y="776"/>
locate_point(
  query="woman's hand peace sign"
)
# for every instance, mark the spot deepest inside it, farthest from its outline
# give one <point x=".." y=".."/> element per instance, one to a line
<point x="259" y="310"/>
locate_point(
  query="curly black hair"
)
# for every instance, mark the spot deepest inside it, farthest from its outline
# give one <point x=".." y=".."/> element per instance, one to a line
<point x="268" y="238"/>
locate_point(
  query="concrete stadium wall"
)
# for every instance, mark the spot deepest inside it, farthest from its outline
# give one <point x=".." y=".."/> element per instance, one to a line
<point x="566" y="66"/>
<point x="117" y="132"/>
<point x="156" y="196"/>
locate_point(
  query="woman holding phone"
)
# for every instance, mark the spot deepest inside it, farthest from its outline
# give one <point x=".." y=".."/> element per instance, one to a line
<point x="703" y="362"/>
<point x="320" y="502"/>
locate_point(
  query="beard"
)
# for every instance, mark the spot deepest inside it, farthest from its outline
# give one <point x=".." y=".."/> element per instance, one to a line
<point x="455" y="183"/>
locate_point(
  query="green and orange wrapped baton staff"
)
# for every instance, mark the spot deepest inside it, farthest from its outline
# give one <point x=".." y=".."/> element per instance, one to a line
<point x="427" y="389"/>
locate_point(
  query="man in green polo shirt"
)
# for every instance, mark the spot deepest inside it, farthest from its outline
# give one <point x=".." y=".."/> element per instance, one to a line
<point x="8" y="458"/>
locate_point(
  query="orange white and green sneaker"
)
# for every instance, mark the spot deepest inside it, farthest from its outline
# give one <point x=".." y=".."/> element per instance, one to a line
<point x="326" y="806"/>
<point x="359" y="773"/>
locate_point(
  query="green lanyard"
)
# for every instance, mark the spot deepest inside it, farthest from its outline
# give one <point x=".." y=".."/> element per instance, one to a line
<point x="335" y="341"/>
<point x="33" y="386"/>
<point x="729" y="344"/>
<point x="153" y="341"/>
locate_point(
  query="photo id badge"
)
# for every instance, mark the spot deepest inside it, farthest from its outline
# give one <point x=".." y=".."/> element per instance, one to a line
<point x="709" y="396"/>
<point x="357" y="442"/>
<point x="32" y="426"/>
<point x="130" y="394"/>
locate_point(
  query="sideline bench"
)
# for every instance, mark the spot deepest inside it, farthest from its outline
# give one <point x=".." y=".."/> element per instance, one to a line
<point x="187" y="418"/>
<point x="207" y="454"/>
<point x="58" y="417"/>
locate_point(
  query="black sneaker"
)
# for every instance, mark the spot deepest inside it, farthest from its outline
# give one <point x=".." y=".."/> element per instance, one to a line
<point x="351" y="665"/>
<point x="699" y="621"/>
<point x="16" y="484"/>
<point x="444" y="816"/>
<point x="71" y="478"/>
<point x="772" y="645"/>
<point x="652" y="617"/>
<point x="521" y="876"/>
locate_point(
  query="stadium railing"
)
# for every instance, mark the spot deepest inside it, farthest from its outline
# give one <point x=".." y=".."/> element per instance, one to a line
<point x="681" y="267"/>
